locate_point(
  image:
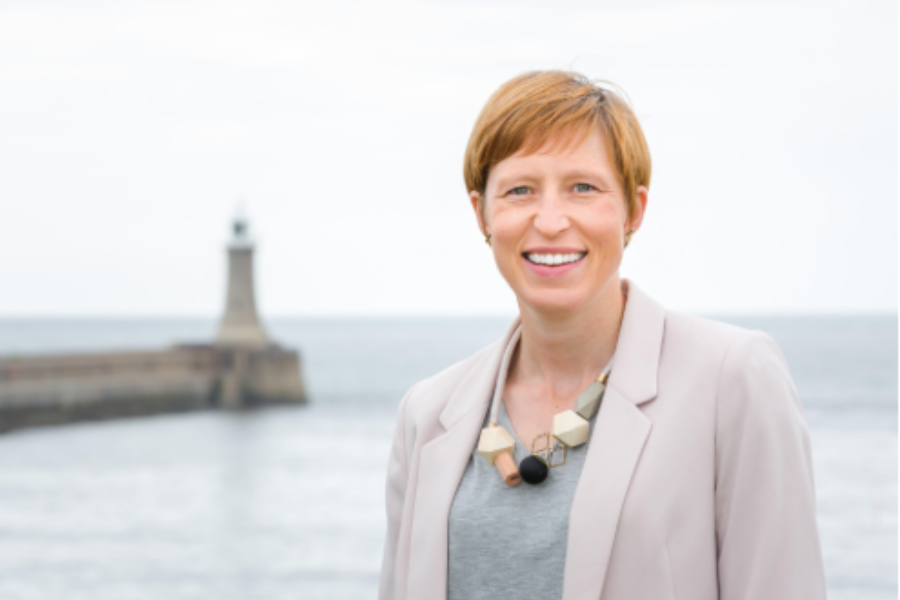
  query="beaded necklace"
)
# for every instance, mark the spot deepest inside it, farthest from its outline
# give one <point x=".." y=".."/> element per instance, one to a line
<point x="548" y="450"/>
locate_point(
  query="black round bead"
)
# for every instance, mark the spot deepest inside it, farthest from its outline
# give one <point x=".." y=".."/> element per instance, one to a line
<point x="533" y="470"/>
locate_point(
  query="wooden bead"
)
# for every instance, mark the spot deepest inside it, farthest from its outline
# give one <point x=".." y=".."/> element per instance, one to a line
<point x="508" y="469"/>
<point x="589" y="400"/>
<point x="493" y="442"/>
<point x="570" y="428"/>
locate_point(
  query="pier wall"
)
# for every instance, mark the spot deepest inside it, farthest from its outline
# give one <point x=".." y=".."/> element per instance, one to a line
<point x="40" y="390"/>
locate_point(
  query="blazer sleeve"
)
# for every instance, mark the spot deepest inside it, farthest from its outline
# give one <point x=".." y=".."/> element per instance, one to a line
<point x="766" y="531"/>
<point x="397" y="475"/>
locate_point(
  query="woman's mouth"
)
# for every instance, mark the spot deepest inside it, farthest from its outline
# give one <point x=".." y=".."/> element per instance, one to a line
<point x="553" y="263"/>
<point x="553" y="260"/>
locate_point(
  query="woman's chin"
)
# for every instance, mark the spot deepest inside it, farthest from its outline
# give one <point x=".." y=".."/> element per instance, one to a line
<point x="558" y="303"/>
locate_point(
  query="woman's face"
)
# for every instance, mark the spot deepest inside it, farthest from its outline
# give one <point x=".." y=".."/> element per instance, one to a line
<point x="557" y="220"/>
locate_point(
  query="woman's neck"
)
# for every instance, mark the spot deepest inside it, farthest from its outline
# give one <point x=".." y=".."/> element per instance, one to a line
<point x="562" y="354"/>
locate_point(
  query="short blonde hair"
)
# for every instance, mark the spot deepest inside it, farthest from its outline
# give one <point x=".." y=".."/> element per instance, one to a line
<point x="534" y="107"/>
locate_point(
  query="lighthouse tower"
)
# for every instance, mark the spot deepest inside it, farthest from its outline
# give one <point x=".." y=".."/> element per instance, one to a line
<point x="240" y="325"/>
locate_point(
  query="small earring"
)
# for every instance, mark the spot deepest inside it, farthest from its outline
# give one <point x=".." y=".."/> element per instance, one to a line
<point x="628" y="235"/>
<point x="487" y="239"/>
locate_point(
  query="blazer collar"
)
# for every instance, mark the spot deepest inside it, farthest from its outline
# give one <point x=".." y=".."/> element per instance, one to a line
<point x="634" y="372"/>
<point x="476" y="389"/>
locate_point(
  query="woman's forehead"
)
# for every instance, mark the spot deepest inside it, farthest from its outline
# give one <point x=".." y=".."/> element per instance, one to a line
<point x="561" y="140"/>
<point x="585" y="150"/>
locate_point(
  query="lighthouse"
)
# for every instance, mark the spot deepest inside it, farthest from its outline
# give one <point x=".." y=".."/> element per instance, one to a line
<point x="254" y="370"/>
<point x="240" y="325"/>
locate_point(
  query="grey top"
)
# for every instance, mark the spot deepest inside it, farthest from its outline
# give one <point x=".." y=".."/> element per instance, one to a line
<point x="510" y="542"/>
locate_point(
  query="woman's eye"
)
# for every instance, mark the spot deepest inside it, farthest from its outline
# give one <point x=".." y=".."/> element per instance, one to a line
<point x="519" y="191"/>
<point x="583" y="188"/>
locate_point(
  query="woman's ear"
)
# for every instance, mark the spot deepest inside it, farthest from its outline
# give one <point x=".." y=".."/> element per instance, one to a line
<point x="637" y="217"/>
<point x="475" y="199"/>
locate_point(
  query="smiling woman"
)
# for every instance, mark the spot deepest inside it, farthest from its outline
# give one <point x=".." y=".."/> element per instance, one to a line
<point x="666" y="456"/>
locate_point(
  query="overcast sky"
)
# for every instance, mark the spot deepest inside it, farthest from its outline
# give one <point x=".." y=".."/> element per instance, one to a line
<point x="130" y="130"/>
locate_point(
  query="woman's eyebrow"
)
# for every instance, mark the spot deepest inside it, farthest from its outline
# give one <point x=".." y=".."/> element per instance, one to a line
<point x="516" y="178"/>
<point x="598" y="176"/>
<point x="579" y="171"/>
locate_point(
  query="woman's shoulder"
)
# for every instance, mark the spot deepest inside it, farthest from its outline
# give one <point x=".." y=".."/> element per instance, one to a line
<point x="686" y="343"/>
<point x="751" y="373"/>
<point x="718" y="340"/>
<point x="429" y="397"/>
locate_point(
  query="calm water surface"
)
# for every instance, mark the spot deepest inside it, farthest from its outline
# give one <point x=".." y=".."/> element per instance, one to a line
<point x="288" y="502"/>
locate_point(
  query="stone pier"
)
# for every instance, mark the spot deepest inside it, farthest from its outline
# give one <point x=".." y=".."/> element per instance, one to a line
<point x="52" y="389"/>
<point x="242" y="368"/>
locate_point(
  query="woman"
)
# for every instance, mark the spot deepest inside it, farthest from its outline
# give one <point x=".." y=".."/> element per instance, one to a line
<point x="665" y="456"/>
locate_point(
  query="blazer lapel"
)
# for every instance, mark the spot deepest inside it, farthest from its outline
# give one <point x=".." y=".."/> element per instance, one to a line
<point x="620" y="433"/>
<point x="442" y="463"/>
<point x="616" y="444"/>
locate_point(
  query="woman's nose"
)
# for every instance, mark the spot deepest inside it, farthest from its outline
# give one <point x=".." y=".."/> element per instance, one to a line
<point x="550" y="219"/>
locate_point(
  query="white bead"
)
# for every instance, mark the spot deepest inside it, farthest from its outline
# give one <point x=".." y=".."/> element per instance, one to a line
<point x="494" y="441"/>
<point x="570" y="428"/>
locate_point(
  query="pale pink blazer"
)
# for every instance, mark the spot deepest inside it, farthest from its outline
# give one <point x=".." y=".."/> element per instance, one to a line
<point x="697" y="485"/>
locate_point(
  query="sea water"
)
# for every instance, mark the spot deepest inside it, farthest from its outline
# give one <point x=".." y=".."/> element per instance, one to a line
<point x="289" y="502"/>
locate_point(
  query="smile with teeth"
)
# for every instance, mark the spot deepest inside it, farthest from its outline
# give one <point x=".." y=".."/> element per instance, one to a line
<point x="554" y="259"/>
